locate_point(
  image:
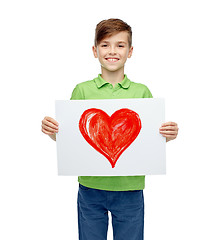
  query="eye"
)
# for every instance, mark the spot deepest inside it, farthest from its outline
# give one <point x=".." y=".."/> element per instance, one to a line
<point x="121" y="46"/>
<point x="104" y="45"/>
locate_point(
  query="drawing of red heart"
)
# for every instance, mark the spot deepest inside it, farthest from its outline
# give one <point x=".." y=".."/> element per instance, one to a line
<point x="110" y="136"/>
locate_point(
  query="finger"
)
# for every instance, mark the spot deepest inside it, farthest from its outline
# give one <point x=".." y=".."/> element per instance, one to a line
<point x="170" y="128"/>
<point x="49" y="129"/>
<point x="47" y="132"/>
<point x="169" y="133"/>
<point x="169" y="137"/>
<point x="52" y="120"/>
<point x="169" y="124"/>
<point x="49" y="124"/>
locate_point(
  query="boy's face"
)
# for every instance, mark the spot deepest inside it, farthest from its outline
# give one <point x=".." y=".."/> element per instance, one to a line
<point x="113" y="51"/>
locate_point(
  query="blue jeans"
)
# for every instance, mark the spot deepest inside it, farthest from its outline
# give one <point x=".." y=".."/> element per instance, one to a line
<point x="127" y="211"/>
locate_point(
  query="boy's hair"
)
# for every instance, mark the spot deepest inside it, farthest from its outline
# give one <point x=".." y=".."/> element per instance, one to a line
<point x="107" y="28"/>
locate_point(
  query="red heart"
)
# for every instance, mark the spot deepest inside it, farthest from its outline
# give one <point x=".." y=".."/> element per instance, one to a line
<point x="110" y="136"/>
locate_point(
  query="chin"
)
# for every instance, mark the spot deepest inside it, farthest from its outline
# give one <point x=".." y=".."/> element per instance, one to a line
<point x="113" y="68"/>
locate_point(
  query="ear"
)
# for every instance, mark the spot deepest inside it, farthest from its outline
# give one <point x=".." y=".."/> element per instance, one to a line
<point x="94" y="51"/>
<point x="130" y="52"/>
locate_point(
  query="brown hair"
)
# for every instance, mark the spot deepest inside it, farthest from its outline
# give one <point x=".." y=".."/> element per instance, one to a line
<point x="107" y="28"/>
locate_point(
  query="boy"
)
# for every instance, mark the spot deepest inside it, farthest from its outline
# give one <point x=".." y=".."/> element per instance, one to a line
<point x="121" y="195"/>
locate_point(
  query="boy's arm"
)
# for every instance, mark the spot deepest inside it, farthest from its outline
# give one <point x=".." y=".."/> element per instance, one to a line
<point x="169" y="130"/>
<point x="77" y="93"/>
<point x="50" y="125"/>
<point x="53" y="136"/>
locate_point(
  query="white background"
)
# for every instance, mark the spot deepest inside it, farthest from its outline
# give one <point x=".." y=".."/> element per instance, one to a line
<point x="45" y="50"/>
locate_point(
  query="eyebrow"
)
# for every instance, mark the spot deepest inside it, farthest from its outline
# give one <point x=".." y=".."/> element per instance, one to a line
<point x="104" y="41"/>
<point x="122" y="42"/>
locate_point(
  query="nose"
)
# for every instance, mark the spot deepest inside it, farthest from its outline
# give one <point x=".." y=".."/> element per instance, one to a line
<point x="112" y="50"/>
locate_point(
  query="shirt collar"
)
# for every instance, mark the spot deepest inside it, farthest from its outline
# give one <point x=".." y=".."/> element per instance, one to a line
<point x="101" y="82"/>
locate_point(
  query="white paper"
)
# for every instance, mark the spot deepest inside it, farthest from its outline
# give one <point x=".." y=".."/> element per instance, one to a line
<point x="145" y="155"/>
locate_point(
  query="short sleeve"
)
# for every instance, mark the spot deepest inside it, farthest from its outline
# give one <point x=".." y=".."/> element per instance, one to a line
<point x="147" y="93"/>
<point x="76" y="94"/>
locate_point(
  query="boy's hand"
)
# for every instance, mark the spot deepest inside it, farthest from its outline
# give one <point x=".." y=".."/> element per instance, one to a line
<point x="49" y="126"/>
<point x="169" y="130"/>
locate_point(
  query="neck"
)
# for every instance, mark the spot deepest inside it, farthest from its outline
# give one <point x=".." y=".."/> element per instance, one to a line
<point x="112" y="77"/>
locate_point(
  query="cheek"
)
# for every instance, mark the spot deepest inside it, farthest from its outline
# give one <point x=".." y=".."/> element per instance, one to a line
<point x="102" y="50"/>
<point x="126" y="54"/>
<point x="98" y="52"/>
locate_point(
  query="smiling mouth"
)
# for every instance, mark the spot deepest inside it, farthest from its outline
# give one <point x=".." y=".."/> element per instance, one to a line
<point x="112" y="59"/>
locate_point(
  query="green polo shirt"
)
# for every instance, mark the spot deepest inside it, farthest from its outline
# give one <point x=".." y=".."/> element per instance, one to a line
<point x="98" y="88"/>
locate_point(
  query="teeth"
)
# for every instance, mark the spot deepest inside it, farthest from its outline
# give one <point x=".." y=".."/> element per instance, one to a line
<point x="112" y="59"/>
